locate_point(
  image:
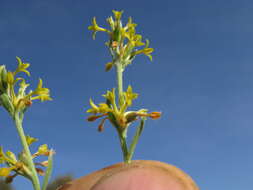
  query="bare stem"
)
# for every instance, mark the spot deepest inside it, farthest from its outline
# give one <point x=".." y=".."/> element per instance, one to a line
<point x="122" y="133"/>
<point x="120" y="82"/>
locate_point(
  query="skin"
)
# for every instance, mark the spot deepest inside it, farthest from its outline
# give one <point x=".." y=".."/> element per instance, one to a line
<point x="139" y="175"/>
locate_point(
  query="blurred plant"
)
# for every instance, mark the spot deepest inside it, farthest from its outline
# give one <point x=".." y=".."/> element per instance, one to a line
<point x="59" y="181"/>
<point x="124" y="44"/>
<point x="4" y="185"/>
<point x="15" y="100"/>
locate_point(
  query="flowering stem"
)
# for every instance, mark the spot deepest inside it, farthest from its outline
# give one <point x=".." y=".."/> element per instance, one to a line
<point x="34" y="177"/>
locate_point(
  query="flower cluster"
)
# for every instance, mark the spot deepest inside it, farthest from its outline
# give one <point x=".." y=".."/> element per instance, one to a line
<point x="118" y="116"/>
<point x="124" y="43"/>
<point x="17" y="165"/>
<point x="20" y="100"/>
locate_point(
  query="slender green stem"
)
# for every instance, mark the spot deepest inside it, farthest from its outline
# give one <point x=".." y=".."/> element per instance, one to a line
<point x="119" y="68"/>
<point x="122" y="133"/>
<point x="31" y="166"/>
<point x="123" y="145"/>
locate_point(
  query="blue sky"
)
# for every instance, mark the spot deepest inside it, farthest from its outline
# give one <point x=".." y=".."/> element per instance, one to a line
<point x="201" y="79"/>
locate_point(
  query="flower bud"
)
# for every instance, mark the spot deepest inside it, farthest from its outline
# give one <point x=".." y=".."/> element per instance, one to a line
<point x="10" y="78"/>
<point x="101" y="127"/>
<point x="3" y="82"/>
<point x="6" y="102"/>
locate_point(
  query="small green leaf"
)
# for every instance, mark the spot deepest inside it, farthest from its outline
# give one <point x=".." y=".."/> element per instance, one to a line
<point x="136" y="139"/>
<point x="49" y="170"/>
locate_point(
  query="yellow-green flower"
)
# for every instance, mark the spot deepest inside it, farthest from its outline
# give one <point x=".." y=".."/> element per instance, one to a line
<point x="146" y="51"/>
<point x="95" y="28"/>
<point x="13" y="164"/>
<point x="40" y="93"/>
<point x="22" y="67"/>
<point x="101" y="109"/>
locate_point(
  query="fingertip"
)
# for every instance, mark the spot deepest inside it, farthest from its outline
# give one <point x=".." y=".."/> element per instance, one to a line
<point x="139" y="179"/>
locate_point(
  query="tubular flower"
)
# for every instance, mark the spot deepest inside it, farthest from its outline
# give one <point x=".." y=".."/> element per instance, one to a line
<point x="124" y="42"/>
<point x="19" y="100"/>
<point x="95" y="28"/>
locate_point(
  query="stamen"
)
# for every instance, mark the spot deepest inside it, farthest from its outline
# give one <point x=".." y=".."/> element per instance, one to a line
<point x="95" y="117"/>
<point x="155" y="115"/>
